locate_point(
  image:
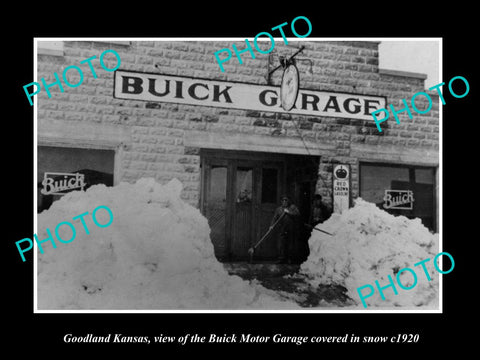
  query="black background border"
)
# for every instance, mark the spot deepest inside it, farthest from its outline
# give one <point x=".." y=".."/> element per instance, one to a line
<point x="438" y="332"/>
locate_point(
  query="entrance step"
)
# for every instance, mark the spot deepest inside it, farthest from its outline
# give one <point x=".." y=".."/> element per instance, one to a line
<point x="289" y="283"/>
<point x="260" y="271"/>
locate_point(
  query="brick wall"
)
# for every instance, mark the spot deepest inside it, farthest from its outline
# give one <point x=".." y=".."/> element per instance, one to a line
<point x="155" y="144"/>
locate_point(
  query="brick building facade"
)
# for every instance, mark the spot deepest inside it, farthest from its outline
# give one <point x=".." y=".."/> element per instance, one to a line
<point x="211" y="150"/>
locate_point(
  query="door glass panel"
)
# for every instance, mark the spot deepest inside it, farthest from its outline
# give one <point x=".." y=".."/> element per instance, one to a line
<point x="243" y="212"/>
<point x="269" y="185"/>
<point x="216" y="207"/>
<point x="244" y="185"/>
<point x="218" y="185"/>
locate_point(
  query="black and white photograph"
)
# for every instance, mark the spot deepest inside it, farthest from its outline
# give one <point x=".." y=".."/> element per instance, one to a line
<point x="261" y="185"/>
<point x="285" y="184"/>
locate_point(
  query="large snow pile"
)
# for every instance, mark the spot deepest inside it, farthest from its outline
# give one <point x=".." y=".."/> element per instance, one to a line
<point x="369" y="244"/>
<point x="156" y="254"/>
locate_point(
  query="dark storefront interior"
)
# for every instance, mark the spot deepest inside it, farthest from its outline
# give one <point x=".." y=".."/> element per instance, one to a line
<point x="375" y="178"/>
<point x="97" y="165"/>
<point x="240" y="192"/>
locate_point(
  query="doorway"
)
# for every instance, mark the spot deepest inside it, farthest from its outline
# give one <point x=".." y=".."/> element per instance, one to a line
<point x="240" y="192"/>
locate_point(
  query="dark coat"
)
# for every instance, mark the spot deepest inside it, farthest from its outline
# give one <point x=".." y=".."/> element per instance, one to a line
<point x="319" y="214"/>
<point x="289" y="221"/>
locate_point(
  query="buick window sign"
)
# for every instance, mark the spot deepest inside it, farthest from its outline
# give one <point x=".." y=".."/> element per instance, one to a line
<point x="55" y="183"/>
<point x="398" y="199"/>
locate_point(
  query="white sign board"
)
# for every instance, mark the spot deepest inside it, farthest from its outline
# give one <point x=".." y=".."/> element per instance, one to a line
<point x="235" y="95"/>
<point x="341" y="188"/>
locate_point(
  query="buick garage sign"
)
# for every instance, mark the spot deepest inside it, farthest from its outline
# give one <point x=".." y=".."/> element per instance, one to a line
<point x="235" y="95"/>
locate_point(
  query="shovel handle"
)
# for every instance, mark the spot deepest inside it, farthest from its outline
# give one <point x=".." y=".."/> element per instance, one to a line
<point x="268" y="232"/>
<point x="315" y="228"/>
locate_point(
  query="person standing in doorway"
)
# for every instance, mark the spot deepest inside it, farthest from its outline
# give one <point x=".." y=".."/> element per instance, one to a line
<point x="319" y="212"/>
<point x="287" y="226"/>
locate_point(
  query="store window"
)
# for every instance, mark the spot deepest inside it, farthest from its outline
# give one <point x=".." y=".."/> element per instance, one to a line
<point x="401" y="190"/>
<point x="63" y="169"/>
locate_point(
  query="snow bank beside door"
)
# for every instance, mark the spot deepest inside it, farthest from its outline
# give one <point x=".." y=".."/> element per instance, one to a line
<point x="370" y="244"/>
<point x="156" y="254"/>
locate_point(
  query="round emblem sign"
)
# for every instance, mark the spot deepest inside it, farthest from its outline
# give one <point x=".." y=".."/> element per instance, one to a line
<point x="341" y="172"/>
<point x="289" y="88"/>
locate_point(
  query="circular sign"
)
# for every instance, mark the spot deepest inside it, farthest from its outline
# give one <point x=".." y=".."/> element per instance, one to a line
<point x="341" y="172"/>
<point x="289" y="88"/>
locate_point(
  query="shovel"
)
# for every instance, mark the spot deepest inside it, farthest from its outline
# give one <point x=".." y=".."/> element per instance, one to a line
<point x="252" y="249"/>
<point x="315" y="228"/>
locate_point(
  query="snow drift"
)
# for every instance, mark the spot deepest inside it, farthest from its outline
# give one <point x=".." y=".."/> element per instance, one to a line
<point x="369" y="244"/>
<point x="156" y="254"/>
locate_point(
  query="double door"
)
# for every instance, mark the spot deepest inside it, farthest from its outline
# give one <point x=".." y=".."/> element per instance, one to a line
<point x="239" y="197"/>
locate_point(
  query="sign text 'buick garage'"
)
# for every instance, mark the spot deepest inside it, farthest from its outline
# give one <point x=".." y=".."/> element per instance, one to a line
<point x="226" y="94"/>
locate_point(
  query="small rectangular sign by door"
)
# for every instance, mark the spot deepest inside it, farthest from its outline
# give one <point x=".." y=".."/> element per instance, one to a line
<point x="341" y="188"/>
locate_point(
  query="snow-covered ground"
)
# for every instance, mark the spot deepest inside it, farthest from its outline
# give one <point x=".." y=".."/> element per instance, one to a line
<point x="157" y="254"/>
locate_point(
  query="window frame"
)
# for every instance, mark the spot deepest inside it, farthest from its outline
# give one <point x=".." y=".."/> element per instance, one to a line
<point x="411" y="171"/>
